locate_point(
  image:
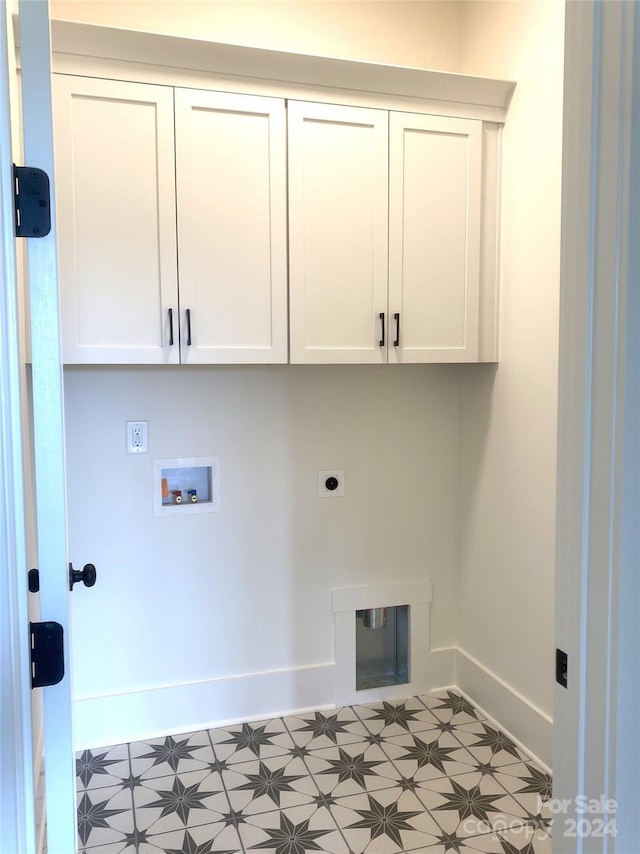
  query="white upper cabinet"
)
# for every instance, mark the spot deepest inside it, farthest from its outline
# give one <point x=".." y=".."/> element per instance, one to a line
<point x="338" y="233"/>
<point x="363" y="182"/>
<point x="231" y="203"/>
<point x="115" y="194"/>
<point x="132" y="289"/>
<point x="174" y="240"/>
<point x="434" y="238"/>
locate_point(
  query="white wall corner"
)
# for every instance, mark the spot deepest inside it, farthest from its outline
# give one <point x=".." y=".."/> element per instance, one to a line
<point x="442" y="668"/>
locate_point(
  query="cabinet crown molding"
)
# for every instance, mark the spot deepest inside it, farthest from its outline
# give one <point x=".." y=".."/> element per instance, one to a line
<point x="91" y="42"/>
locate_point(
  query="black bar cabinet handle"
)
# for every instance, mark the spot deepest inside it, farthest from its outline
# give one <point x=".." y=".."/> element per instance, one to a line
<point x="188" y="327"/>
<point x="171" y="327"/>
<point x="382" y="321"/>
<point x="396" y="317"/>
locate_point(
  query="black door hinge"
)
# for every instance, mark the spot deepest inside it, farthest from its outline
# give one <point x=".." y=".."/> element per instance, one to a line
<point x="562" y="664"/>
<point x="32" y="202"/>
<point x="47" y="654"/>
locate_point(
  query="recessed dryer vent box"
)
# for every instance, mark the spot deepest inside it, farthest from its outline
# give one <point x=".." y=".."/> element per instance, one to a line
<point x="188" y="485"/>
<point x="382" y="647"/>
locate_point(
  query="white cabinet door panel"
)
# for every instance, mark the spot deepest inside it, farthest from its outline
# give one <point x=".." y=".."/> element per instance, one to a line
<point x="116" y="220"/>
<point x="338" y="221"/>
<point x="231" y="191"/>
<point x="434" y="237"/>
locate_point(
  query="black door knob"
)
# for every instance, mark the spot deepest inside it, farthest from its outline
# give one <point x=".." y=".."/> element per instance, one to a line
<point x="331" y="483"/>
<point x="87" y="575"/>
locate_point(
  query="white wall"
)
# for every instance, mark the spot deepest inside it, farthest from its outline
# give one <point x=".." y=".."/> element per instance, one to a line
<point x="505" y="528"/>
<point x="247" y="591"/>
<point x="423" y="34"/>
<point x="189" y="599"/>
<point x="508" y="415"/>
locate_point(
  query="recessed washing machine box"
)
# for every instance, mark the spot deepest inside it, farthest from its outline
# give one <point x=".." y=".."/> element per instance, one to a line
<point x="382" y="647"/>
<point x="186" y="485"/>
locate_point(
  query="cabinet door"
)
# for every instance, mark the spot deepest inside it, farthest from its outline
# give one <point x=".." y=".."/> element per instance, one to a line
<point x="231" y="189"/>
<point x="338" y="224"/>
<point x="434" y="238"/>
<point x="115" y="202"/>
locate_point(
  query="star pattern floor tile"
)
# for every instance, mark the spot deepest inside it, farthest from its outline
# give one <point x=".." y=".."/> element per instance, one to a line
<point x="104" y="816"/>
<point x="522" y="840"/>
<point x="471" y="804"/>
<point x="452" y="708"/>
<point x="427" y="775"/>
<point x="310" y="827"/>
<point x="387" y="821"/>
<point x="170" y="755"/>
<point x="185" y="800"/>
<point x="428" y="754"/>
<point x="271" y="784"/>
<point x="352" y="769"/>
<point x="326" y="729"/>
<point x="102" y="767"/>
<point x="260" y="740"/>
<point x="393" y="718"/>
<point x="489" y="744"/>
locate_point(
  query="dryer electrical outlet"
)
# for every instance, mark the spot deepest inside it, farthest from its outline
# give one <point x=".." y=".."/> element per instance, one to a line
<point x="137" y="437"/>
<point x="331" y="483"/>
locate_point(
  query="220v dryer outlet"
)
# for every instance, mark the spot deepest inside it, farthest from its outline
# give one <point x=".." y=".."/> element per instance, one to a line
<point x="331" y="483"/>
<point x="137" y="437"/>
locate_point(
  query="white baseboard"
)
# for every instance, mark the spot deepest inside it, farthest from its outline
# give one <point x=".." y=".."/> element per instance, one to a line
<point x="167" y="710"/>
<point x="529" y="726"/>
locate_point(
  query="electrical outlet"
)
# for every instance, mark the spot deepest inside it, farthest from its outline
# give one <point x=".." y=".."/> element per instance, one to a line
<point x="137" y="437"/>
<point x="331" y="483"/>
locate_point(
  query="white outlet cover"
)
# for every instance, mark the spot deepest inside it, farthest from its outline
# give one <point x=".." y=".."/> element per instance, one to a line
<point x="338" y="492"/>
<point x="137" y="429"/>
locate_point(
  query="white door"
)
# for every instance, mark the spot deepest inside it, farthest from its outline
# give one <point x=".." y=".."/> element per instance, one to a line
<point x="435" y="168"/>
<point x="338" y="234"/>
<point x="232" y="227"/>
<point x="115" y="173"/>
<point x="48" y="455"/>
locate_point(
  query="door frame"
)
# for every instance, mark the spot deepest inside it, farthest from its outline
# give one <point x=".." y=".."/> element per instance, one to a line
<point x="47" y="422"/>
<point x="17" y="815"/>
<point x="47" y="446"/>
<point x="596" y="718"/>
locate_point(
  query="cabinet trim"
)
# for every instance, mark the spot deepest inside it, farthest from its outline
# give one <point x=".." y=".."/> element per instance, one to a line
<point x="95" y="50"/>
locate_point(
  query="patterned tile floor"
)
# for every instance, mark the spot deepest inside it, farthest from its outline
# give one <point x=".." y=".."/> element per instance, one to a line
<point x="424" y="775"/>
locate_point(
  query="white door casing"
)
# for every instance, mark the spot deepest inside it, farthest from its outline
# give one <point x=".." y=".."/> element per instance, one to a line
<point x="597" y="717"/>
<point x="48" y="430"/>
<point x="17" y="811"/>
